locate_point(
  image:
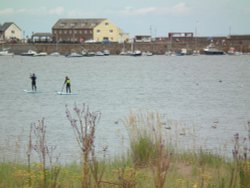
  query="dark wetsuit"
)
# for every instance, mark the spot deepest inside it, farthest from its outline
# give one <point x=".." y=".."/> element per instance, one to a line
<point x="67" y="82"/>
<point x="33" y="82"/>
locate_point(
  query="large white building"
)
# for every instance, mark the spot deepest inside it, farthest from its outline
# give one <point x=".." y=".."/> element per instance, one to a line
<point x="10" y="31"/>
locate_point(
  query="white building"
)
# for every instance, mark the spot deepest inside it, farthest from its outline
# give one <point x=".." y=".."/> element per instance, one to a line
<point x="10" y="31"/>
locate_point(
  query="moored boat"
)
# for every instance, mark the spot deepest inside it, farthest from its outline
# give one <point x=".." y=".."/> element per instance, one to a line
<point x="136" y="53"/>
<point x="212" y="50"/>
<point x="232" y="51"/>
<point x="55" y="54"/>
<point x="29" y="53"/>
<point x="41" y="54"/>
<point x="5" y="52"/>
<point x="74" y="54"/>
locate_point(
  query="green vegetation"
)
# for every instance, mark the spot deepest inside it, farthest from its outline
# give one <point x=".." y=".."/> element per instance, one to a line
<point x="149" y="163"/>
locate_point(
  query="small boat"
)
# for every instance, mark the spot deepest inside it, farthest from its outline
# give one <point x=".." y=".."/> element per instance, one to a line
<point x="55" y="54"/>
<point x="183" y="51"/>
<point x="126" y="53"/>
<point x="106" y="52"/>
<point x="147" y="53"/>
<point x="232" y="51"/>
<point x="196" y="52"/>
<point x="136" y="53"/>
<point x="74" y="54"/>
<point x="29" y="53"/>
<point x="5" y="52"/>
<point x="170" y="53"/>
<point x="211" y="50"/>
<point x="41" y="54"/>
<point x="99" y="53"/>
<point x="90" y="54"/>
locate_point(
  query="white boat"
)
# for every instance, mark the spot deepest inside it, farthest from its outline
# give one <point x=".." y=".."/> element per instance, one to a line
<point x="106" y="52"/>
<point x="184" y="51"/>
<point x="147" y="53"/>
<point x="196" y="52"/>
<point x="5" y="52"/>
<point x="55" y="54"/>
<point x="41" y="54"/>
<point x="211" y="50"/>
<point x="90" y="54"/>
<point x="29" y="53"/>
<point x="232" y="51"/>
<point x="170" y="53"/>
<point x="74" y="54"/>
<point x="136" y="53"/>
<point x="99" y="53"/>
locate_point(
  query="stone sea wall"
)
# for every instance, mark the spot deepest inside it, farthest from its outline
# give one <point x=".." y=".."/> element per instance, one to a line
<point x="157" y="47"/>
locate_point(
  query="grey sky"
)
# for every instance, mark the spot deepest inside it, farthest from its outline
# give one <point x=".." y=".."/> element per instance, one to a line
<point x="156" y="17"/>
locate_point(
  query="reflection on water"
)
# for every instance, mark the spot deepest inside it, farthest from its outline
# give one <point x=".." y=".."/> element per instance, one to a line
<point x="204" y="99"/>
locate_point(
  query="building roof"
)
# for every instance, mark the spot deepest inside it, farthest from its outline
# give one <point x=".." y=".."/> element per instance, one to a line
<point x="77" y="23"/>
<point x="6" y="25"/>
<point x="42" y="35"/>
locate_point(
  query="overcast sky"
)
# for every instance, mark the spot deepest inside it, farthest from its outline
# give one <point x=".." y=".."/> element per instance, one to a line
<point x="136" y="17"/>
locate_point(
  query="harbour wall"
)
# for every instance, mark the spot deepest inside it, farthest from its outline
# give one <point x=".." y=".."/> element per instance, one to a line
<point x="241" y="44"/>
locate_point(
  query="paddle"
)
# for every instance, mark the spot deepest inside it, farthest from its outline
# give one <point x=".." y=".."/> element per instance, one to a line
<point x="62" y="87"/>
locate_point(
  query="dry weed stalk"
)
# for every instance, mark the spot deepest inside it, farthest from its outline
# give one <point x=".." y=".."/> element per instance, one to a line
<point x="84" y="126"/>
<point x="44" y="153"/>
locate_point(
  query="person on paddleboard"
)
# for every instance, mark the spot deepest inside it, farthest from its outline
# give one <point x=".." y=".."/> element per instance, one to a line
<point x="33" y="81"/>
<point x="68" y="86"/>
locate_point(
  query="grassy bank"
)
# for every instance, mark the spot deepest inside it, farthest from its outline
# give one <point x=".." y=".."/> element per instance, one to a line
<point x="186" y="170"/>
<point x="151" y="162"/>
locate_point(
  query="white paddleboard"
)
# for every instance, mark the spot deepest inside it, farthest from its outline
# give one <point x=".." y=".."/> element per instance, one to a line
<point x="64" y="93"/>
<point x="31" y="91"/>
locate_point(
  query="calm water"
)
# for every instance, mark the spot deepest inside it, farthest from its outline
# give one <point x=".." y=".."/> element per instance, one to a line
<point x="191" y="93"/>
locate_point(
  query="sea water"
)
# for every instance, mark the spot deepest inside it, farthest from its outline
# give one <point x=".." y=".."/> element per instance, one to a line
<point x="203" y="100"/>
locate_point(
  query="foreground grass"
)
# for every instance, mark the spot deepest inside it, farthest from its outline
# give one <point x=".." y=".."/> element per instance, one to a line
<point x="187" y="170"/>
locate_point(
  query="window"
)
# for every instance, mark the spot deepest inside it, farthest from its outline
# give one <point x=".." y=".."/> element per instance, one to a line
<point x="12" y="31"/>
<point x="85" y="31"/>
<point x="65" y="32"/>
<point x="106" y="23"/>
<point x="111" y="30"/>
<point x="98" y="31"/>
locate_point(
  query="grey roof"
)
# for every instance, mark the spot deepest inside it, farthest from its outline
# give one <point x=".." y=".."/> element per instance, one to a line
<point x="89" y="23"/>
<point x="42" y="35"/>
<point x="6" y="25"/>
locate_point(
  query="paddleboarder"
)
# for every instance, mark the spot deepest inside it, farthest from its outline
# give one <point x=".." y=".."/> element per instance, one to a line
<point x="68" y="86"/>
<point x="33" y="81"/>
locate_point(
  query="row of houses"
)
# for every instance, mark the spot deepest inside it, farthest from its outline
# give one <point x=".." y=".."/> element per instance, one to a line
<point x="103" y="30"/>
<point x="69" y="30"/>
